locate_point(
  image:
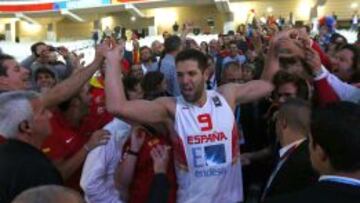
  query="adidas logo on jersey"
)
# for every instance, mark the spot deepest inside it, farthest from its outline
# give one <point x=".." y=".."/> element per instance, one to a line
<point x="217" y="101"/>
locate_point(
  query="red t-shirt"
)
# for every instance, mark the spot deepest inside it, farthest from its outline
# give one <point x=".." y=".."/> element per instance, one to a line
<point x="97" y="117"/>
<point x="144" y="171"/>
<point x="63" y="143"/>
<point x="125" y="66"/>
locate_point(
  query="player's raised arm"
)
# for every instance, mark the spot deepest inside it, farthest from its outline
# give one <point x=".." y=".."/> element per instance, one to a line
<point x="70" y="86"/>
<point x="245" y="93"/>
<point x="140" y="111"/>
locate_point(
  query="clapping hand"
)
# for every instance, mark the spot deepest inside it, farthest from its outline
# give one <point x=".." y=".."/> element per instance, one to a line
<point x="160" y="156"/>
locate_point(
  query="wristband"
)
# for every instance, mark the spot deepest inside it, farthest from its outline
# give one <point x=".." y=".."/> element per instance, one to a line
<point x="132" y="152"/>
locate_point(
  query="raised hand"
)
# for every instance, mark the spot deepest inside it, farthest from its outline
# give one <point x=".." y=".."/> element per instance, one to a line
<point x="287" y="47"/>
<point x="115" y="52"/>
<point x="103" y="48"/>
<point x="76" y="60"/>
<point x="285" y="34"/>
<point x="313" y="61"/>
<point x="160" y="156"/>
<point x="63" y="51"/>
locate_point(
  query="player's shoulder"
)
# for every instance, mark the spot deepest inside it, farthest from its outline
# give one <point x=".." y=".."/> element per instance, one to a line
<point x="226" y="90"/>
<point x="167" y="102"/>
<point x="223" y="89"/>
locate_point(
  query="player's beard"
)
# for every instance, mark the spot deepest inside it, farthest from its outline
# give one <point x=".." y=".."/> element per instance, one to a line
<point x="193" y="98"/>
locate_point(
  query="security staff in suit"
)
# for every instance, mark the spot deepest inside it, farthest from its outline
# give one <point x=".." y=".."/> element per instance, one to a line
<point x="334" y="150"/>
<point x="293" y="171"/>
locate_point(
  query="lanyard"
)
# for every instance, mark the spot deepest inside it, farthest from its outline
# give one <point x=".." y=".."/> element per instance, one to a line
<point x="347" y="181"/>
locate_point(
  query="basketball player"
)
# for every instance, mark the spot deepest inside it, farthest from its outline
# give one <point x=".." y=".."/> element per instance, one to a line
<point x="205" y="137"/>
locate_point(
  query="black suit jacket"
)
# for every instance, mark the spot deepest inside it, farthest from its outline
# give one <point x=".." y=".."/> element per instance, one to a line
<point x="295" y="174"/>
<point x="22" y="166"/>
<point x="323" y="192"/>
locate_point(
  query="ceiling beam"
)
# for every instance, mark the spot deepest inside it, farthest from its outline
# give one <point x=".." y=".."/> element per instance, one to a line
<point x="71" y="15"/>
<point x="134" y="10"/>
<point x="26" y="18"/>
<point x="223" y="5"/>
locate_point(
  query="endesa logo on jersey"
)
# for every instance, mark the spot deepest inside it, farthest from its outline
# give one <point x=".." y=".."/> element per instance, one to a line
<point x="208" y="138"/>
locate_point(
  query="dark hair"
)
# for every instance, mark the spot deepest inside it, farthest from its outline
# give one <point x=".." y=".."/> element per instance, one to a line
<point x="335" y="128"/>
<point x="208" y="56"/>
<point x="130" y="84"/>
<point x="356" y="55"/>
<point x="151" y="83"/>
<point x="307" y="28"/>
<point x="195" y="55"/>
<point x="189" y="42"/>
<point x="296" y="112"/>
<point x="152" y="57"/>
<point x="3" y="69"/>
<point x="231" y="32"/>
<point x="337" y="35"/>
<point x="145" y="47"/>
<point x="172" y="43"/>
<point x="207" y="46"/>
<point x="283" y="77"/>
<point x="43" y="70"/>
<point x="34" y="46"/>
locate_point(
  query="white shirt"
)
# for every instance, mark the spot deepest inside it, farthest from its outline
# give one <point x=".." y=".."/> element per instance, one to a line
<point x="207" y="153"/>
<point x="341" y="179"/>
<point x="97" y="178"/>
<point x="345" y="91"/>
<point x="212" y="81"/>
<point x="355" y="20"/>
<point x="283" y="150"/>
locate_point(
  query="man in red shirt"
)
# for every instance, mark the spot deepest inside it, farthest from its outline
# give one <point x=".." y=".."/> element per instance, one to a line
<point x="14" y="77"/>
<point x="68" y="145"/>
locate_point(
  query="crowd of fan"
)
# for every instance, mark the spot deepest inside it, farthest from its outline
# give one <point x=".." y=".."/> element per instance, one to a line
<point x="57" y="127"/>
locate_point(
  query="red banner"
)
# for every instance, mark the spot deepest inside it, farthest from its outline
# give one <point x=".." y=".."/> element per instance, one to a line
<point x="27" y="7"/>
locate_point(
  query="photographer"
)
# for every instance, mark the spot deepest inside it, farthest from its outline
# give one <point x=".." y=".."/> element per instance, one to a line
<point x="44" y="55"/>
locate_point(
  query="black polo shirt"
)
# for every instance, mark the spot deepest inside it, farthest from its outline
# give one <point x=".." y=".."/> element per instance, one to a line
<point x="22" y="166"/>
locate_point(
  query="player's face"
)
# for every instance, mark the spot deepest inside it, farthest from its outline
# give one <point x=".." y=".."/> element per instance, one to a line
<point x="191" y="80"/>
